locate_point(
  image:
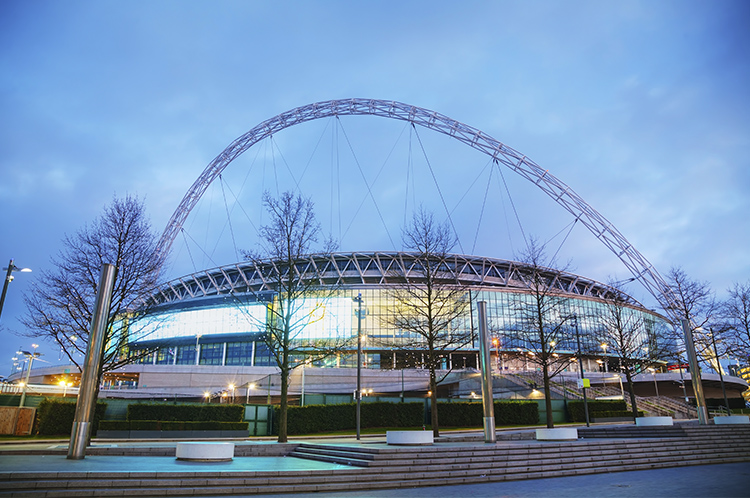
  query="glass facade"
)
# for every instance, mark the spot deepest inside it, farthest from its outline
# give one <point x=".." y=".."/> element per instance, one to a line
<point x="231" y="334"/>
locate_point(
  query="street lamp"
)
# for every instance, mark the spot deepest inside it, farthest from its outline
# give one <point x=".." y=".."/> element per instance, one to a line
<point x="231" y="387"/>
<point x="656" y="386"/>
<point x="718" y="367"/>
<point x="580" y="367"/>
<point x="606" y="362"/>
<point x="8" y="279"/>
<point x="358" y="393"/>
<point x="31" y="357"/>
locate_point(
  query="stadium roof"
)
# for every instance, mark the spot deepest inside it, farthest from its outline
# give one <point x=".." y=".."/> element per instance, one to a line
<point x="369" y="269"/>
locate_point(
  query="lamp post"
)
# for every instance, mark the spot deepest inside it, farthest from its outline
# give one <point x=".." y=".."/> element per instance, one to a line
<point x="8" y="279"/>
<point x="31" y="357"/>
<point x="606" y="362"/>
<point x="718" y="367"/>
<point x="580" y="367"/>
<point x="358" y="394"/>
<point x="656" y="385"/>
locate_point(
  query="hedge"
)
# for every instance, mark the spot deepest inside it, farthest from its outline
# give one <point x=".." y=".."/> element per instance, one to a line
<point x="576" y="411"/>
<point x="185" y="412"/>
<point x="467" y="414"/>
<point x="327" y="418"/>
<point x="617" y="414"/>
<point x="54" y="417"/>
<point x="161" y="425"/>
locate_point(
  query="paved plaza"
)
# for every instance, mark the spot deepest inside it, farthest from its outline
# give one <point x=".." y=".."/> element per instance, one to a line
<point x="730" y="480"/>
<point x="721" y="480"/>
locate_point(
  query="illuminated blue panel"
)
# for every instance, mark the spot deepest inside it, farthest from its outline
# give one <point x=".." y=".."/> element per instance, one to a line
<point x="201" y="321"/>
<point x="312" y="319"/>
<point x="322" y="319"/>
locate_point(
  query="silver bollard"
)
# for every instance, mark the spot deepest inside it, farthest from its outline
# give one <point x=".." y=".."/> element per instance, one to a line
<point x="90" y="376"/>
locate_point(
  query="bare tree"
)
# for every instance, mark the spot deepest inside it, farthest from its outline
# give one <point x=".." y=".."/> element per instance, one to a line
<point x="60" y="304"/>
<point x="735" y="318"/>
<point x="298" y="298"/>
<point x="543" y="318"/>
<point x="430" y="304"/>
<point x="627" y="336"/>
<point x="693" y="301"/>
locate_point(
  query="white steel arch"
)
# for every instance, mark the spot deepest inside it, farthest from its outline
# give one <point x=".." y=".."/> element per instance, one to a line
<point x="602" y="229"/>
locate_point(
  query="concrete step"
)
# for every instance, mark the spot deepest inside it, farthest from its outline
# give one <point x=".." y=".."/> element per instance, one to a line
<point x="288" y="484"/>
<point x="333" y="455"/>
<point x="398" y="467"/>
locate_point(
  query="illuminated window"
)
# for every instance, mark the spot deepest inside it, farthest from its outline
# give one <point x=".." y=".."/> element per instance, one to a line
<point x="211" y="354"/>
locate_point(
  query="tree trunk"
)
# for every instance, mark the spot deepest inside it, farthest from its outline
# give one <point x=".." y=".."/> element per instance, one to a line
<point x="433" y="400"/>
<point x="284" y="407"/>
<point x="633" y="406"/>
<point x="547" y="398"/>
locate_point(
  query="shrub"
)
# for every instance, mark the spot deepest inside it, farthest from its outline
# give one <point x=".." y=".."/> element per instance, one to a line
<point x="576" y="408"/>
<point x="617" y="413"/>
<point x="54" y="417"/>
<point x="514" y="412"/>
<point x="467" y="414"/>
<point x="161" y="425"/>
<point x="185" y="412"/>
<point x="327" y="418"/>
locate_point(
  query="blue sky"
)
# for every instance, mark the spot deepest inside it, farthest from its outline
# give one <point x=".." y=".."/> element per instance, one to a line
<point x="640" y="107"/>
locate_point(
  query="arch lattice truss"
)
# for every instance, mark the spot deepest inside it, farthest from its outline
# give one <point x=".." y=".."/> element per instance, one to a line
<point x="607" y="234"/>
<point x="370" y="269"/>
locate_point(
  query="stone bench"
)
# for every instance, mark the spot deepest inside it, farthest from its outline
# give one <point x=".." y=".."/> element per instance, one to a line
<point x="650" y="421"/>
<point x="557" y="434"/>
<point x="205" y="451"/>
<point x="731" y="419"/>
<point x="408" y="437"/>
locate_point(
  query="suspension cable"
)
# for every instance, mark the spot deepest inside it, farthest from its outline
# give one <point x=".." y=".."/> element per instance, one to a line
<point x="229" y="219"/>
<point x="481" y="212"/>
<point x="377" y="176"/>
<point x="571" y="224"/>
<point x="369" y="190"/>
<point x="512" y="204"/>
<point x="289" y="170"/>
<point x="437" y="186"/>
<point x="187" y="246"/>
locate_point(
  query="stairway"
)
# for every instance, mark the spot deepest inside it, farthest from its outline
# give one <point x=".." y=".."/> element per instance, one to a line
<point x="375" y="466"/>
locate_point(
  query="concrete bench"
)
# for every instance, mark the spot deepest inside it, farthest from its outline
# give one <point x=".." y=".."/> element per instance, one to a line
<point x="408" y="437"/>
<point x="557" y="434"/>
<point x="649" y="421"/>
<point x="205" y="451"/>
<point x="731" y="419"/>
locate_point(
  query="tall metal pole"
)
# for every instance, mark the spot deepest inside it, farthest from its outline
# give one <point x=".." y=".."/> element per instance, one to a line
<point x="695" y="373"/>
<point x="31" y="357"/>
<point x="580" y="367"/>
<point x="721" y="375"/>
<point x="90" y="375"/>
<point x="358" y="394"/>
<point x="490" y="435"/>
<point x="8" y="278"/>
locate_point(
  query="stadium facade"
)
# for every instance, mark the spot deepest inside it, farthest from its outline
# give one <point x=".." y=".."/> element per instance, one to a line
<point x="203" y="336"/>
<point x="217" y="317"/>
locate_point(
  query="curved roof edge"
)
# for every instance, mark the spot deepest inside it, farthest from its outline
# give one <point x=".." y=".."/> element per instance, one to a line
<point x="370" y="268"/>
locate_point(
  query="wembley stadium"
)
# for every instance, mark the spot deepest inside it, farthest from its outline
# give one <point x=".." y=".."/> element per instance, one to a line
<point x="203" y="335"/>
<point x="206" y="330"/>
